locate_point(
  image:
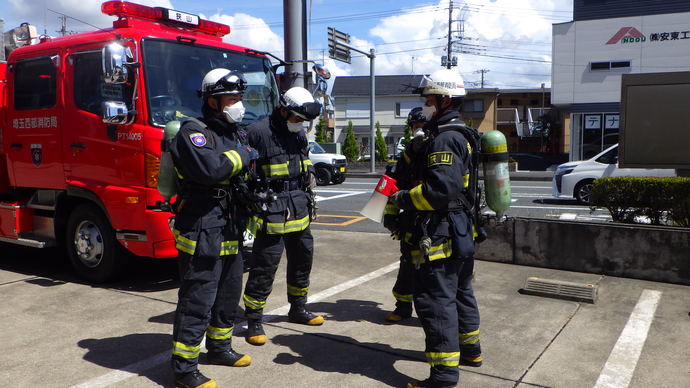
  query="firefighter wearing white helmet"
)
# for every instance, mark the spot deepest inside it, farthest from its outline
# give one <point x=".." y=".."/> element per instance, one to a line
<point x="285" y="169"/>
<point x="436" y="220"/>
<point x="211" y="157"/>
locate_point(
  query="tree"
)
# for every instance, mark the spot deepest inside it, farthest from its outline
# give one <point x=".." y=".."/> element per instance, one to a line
<point x="320" y="135"/>
<point x="408" y="135"/>
<point x="350" y="148"/>
<point x="381" y="147"/>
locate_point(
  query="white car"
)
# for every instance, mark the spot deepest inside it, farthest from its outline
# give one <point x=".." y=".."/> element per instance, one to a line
<point x="574" y="179"/>
<point x="328" y="167"/>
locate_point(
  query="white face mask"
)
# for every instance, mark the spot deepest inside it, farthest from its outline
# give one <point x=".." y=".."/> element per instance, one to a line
<point x="418" y="133"/>
<point x="294" y="127"/>
<point x="428" y="111"/>
<point x="234" y="113"/>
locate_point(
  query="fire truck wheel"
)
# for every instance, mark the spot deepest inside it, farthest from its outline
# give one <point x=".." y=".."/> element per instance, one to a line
<point x="91" y="244"/>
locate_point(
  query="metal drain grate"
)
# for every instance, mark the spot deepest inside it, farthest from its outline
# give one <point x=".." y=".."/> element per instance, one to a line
<point x="560" y="289"/>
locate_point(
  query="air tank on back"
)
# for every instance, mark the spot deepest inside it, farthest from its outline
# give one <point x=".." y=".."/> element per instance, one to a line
<point x="167" y="176"/>
<point x="496" y="175"/>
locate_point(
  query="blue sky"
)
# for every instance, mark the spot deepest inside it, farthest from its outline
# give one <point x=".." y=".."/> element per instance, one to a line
<point x="509" y="38"/>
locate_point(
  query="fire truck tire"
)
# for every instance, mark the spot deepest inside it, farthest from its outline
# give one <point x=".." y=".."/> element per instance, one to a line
<point x="91" y="246"/>
<point x="323" y="176"/>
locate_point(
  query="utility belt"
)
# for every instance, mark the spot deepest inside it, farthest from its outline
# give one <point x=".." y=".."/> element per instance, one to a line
<point x="205" y="192"/>
<point x="280" y="185"/>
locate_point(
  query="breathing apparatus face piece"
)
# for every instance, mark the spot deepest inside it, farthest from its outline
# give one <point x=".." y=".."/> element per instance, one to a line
<point x="234" y="113"/>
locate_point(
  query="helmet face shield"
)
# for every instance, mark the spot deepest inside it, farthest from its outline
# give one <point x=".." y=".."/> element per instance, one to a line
<point x="230" y="82"/>
<point x="308" y="111"/>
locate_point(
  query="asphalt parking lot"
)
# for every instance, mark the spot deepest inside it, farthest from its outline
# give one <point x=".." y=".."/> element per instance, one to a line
<point x="58" y="332"/>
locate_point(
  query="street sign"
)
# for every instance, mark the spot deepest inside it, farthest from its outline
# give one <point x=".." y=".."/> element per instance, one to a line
<point x="336" y="49"/>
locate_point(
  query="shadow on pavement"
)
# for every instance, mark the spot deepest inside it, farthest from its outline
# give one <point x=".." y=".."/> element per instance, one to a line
<point x="343" y="354"/>
<point x="119" y="352"/>
<point x="349" y="310"/>
<point x="558" y="201"/>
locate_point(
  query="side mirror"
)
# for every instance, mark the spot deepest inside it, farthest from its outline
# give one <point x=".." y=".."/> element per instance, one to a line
<point x="321" y="71"/>
<point x="114" y="112"/>
<point x="114" y="64"/>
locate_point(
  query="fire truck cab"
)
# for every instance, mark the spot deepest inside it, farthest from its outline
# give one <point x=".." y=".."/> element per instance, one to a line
<point x="81" y="124"/>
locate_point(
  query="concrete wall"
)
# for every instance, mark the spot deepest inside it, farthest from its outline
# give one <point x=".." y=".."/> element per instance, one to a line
<point x="633" y="251"/>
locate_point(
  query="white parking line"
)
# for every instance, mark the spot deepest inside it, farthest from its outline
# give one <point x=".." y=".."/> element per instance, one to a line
<point x="622" y="361"/>
<point x="136" y="368"/>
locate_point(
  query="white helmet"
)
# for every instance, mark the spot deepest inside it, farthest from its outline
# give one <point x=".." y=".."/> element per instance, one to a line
<point x="444" y="82"/>
<point x="222" y="81"/>
<point x="301" y="103"/>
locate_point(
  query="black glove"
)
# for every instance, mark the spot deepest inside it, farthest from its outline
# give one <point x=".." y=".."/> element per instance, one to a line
<point x="390" y="222"/>
<point x="251" y="153"/>
<point x="397" y="198"/>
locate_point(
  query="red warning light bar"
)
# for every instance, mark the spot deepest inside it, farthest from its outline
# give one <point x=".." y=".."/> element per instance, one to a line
<point x="165" y="15"/>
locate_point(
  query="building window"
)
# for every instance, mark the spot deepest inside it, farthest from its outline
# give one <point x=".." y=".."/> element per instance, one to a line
<point x="608" y="65"/>
<point x="89" y="89"/>
<point x="514" y="102"/>
<point x="35" y="84"/>
<point x="357" y="110"/>
<point x="500" y="102"/>
<point x="402" y="109"/>
<point x="473" y="105"/>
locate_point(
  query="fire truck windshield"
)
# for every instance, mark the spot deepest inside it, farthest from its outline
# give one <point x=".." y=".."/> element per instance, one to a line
<point x="173" y="72"/>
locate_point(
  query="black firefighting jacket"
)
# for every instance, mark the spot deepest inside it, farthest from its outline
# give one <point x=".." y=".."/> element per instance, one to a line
<point x="283" y="167"/>
<point x="206" y="157"/>
<point x="431" y="205"/>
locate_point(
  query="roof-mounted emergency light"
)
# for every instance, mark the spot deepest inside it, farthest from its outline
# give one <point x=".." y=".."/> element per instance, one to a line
<point x="168" y="16"/>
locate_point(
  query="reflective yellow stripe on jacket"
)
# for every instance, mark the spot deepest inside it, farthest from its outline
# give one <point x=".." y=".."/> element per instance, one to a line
<point x="445" y="359"/>
<point x="391" y="209"/>
<point x="418" y="200"/>
<point x="185" y="351"/>
<point x="184" y="244"/>
<point x="436" y="252"/>
<point x="305" y="165"/>
<point x="229" y="247"/>
<point x="287" y="226"/>
<point x="218" y="333"/>
<point x="236" y="161"/>
<point x="278" y="169"/>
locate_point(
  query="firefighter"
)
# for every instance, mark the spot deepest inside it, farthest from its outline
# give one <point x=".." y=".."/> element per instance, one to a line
<point x="285" y="170"/>
<point x="402" y="290"/>
<point x="439" y="233"/>
<point x="210" y="155"/>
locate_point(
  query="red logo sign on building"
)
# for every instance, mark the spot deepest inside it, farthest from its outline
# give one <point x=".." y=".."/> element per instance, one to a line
<point x="627" y="35"/>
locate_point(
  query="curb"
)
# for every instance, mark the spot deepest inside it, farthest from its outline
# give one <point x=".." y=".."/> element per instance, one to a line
<point x="512" y="177"/>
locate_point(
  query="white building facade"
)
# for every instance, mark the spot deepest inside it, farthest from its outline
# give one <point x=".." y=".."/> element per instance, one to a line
<point x="591" y="53"/>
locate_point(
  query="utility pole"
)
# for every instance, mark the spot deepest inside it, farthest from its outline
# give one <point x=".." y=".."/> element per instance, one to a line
<point x="63" y="22"/>
<point x="450" y="29"/>
<point x="482" y="71"/>
<point x="295" y="45"/>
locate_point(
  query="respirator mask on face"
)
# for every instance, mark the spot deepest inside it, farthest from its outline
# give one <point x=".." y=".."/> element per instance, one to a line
<point x="428" y="111"/>
<point x="294" y="127"/>
<point x="234" y="113"/>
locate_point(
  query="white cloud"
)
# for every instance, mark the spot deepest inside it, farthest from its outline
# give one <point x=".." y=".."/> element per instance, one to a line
<point x="416" y="40"/>
<point x="259" y="36"/>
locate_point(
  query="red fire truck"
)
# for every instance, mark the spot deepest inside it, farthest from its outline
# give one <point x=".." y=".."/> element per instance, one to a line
<point x="81" y="124"/>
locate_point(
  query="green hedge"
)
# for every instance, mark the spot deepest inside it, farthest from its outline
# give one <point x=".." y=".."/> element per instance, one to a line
<point x="662" y="200"/>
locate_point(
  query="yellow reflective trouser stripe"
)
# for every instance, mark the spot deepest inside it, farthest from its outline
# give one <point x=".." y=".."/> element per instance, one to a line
<point x="184" y="244"/>
<point x="236" y="161"/>
<point x="229" y="248"/>
<point x="469" y="338"/>
<point x="186" y="351"/>
<point x="218" y="333"/>
<point x="403" y="298"/>
<point x="276" y="169"/>
<point x="178" y="173"/>
<point x="441" y="251"/>
<point x="418" y="199"/>
<point x="408" y="160"/>
<point x="297" y="291"/>
<point x="306" y="164"/>
<point x="252" y="303"/>
<point x="391" y="209"/>
<point x="445" y="359"/>
<point x="466" y="180"/>
<point x="288" y="226"/>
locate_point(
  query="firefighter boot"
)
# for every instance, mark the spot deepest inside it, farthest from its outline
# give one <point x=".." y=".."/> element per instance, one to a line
<point x="401" y="312"/>
<point x="228" y="357"/>
<point x="298" y="314"/>
<point x="475" y="361"/>
<point x="255" y="333"/>
<point x="194" y="380"/>
<point x="429" y="384"/>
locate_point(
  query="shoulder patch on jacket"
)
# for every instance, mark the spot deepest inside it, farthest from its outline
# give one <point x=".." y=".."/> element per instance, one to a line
<point x="440" y="158"/>
<point x="198" y="139"/>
